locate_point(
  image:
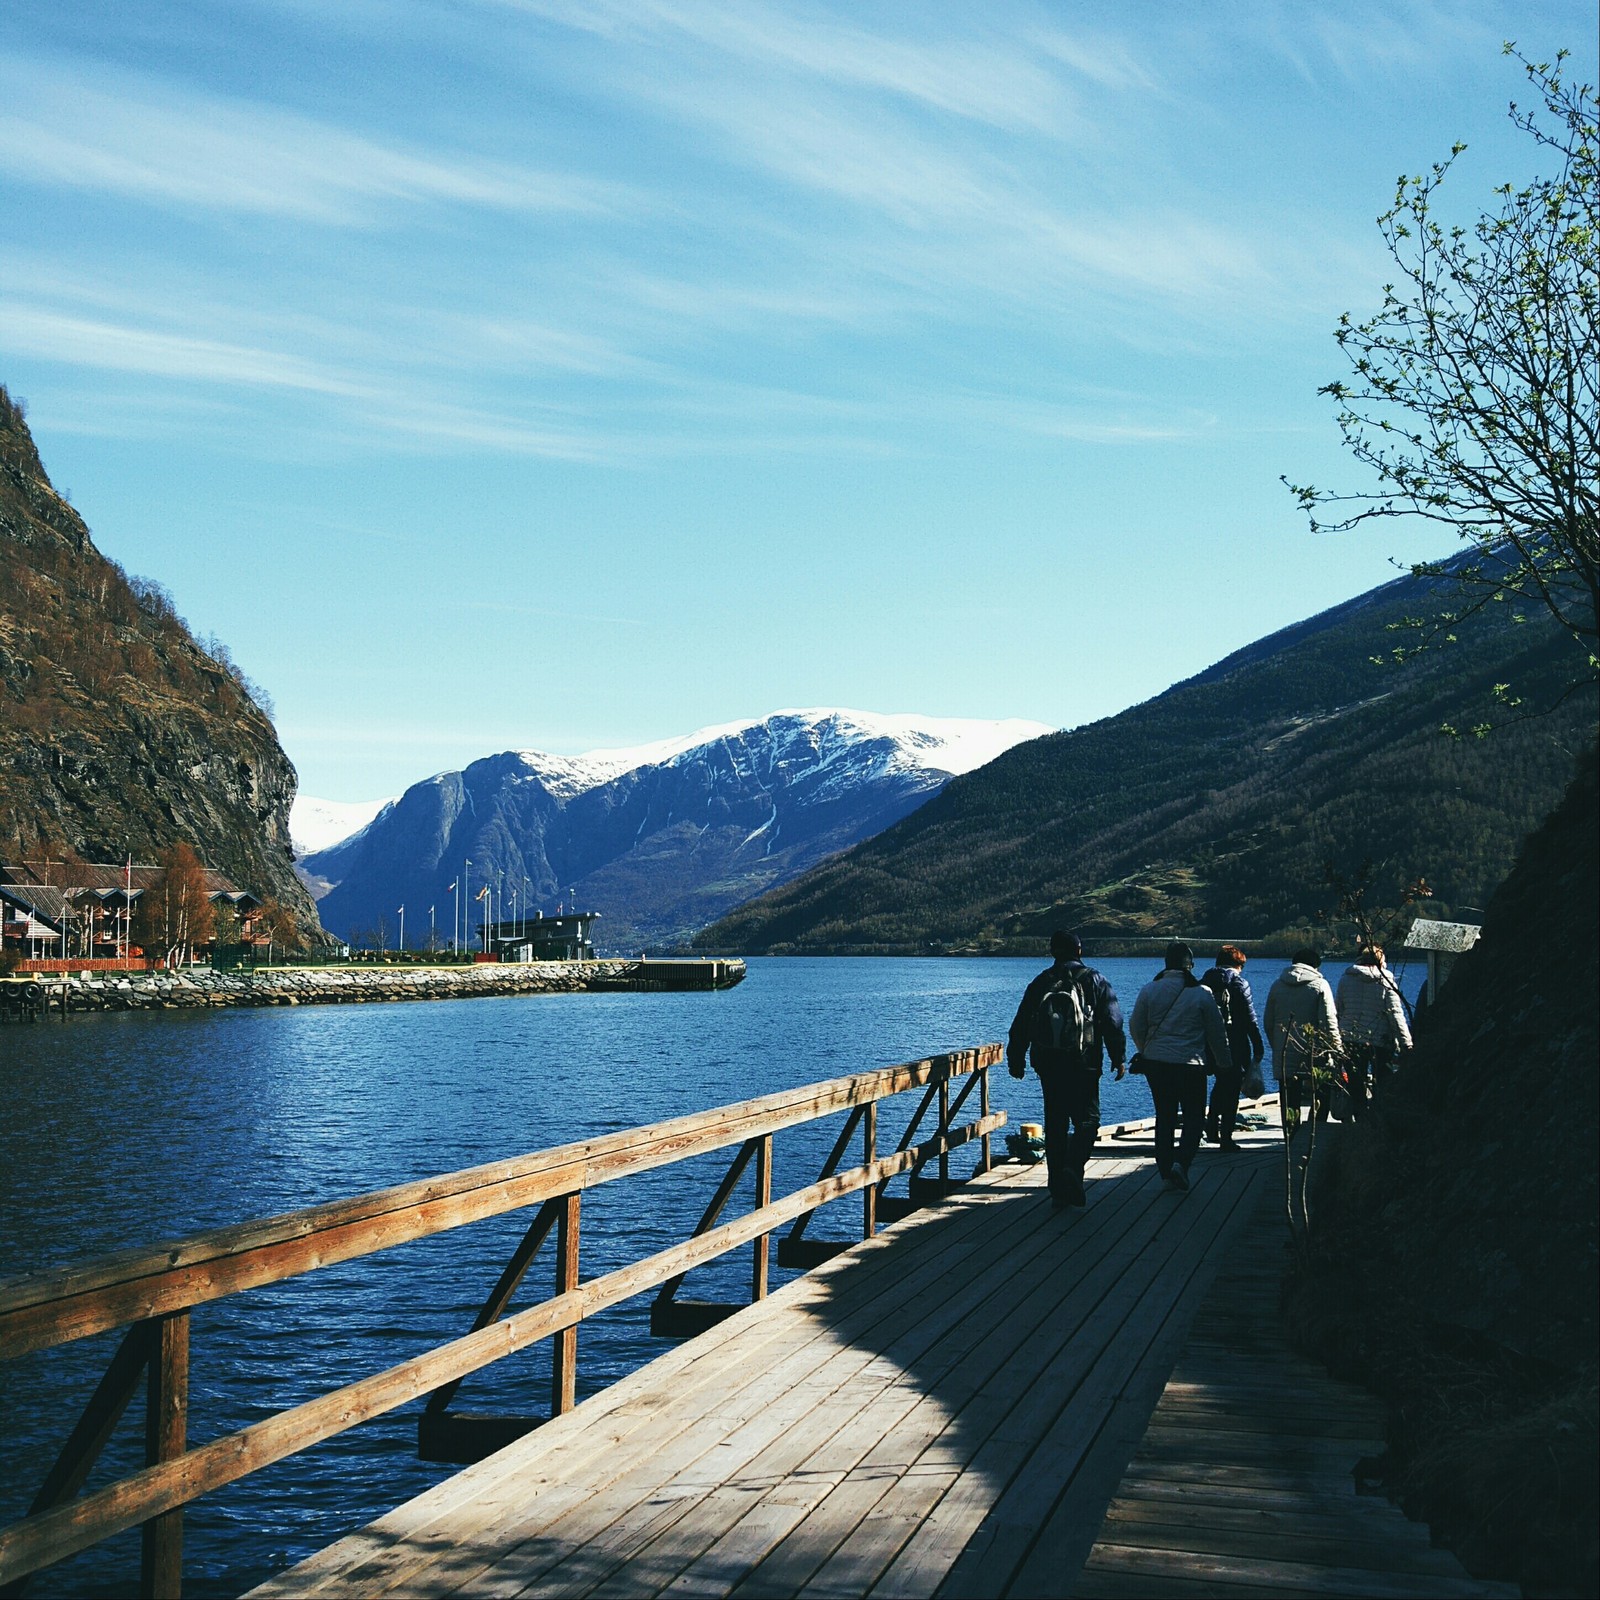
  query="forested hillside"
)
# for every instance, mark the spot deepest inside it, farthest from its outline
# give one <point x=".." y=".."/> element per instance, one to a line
<point x="1214" y="808"/>
<point x="118" y="732"/>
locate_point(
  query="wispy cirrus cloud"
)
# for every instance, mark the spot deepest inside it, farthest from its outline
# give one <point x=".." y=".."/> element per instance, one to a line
<point x="130" y="134"/>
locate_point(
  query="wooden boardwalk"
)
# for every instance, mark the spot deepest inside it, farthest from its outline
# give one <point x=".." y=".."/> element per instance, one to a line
<point x="1243" y="1483"/>
<point x="948" y="1409"/>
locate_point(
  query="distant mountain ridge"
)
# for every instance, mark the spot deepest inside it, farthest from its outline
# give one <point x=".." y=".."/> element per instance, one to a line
<point x="662" y="838"/>
<point x="1213" y="808"/>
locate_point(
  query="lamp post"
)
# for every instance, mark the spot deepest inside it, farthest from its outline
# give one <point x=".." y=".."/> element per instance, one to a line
<point x="402" y="916"/>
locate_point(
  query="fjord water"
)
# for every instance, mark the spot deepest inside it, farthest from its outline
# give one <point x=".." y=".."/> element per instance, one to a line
<point x="130" y="1129"/>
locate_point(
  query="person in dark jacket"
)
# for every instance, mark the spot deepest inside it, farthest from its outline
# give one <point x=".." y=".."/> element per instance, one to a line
<point x="1069" y="1070"/>
<point x="1228" y="988"/>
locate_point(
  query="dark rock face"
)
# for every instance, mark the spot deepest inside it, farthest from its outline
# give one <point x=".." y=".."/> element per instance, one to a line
<point x="118" y="733"/>
<point x="1456" y="1268"/>
<point x="660" y="850"/>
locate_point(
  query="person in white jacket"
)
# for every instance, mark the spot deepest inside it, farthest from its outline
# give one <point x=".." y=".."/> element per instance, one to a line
<point x="1372" y="1021"/>
<point x="1303" y="1029"/>
<point x="1180" y="1036"/>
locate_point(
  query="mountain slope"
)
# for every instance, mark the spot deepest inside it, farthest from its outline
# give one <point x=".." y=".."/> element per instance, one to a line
<point x="118" y="733"/>
<point x="660" y="840"/>
<point x="1213" y="808"/>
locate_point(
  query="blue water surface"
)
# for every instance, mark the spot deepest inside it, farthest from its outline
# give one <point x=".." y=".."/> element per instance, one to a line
<point x="129" y="1129"/>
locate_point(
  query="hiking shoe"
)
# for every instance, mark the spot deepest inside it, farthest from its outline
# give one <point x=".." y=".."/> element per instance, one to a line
<point x="1211" y="1133"/>
<point x="1179" y="1179"/>
<point x="1172" y="1180"/>
<point x="1075" y="1194"/>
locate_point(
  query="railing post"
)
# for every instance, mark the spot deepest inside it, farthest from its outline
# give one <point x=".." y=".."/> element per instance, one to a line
<point x="984" y="1164"/>
<point x="869" y="1154"/>
<point x="944" y="1130"/>
<point x="564" y="1348"/>
<point x="166" y="1433"/>
<point x="763" y="1245"/>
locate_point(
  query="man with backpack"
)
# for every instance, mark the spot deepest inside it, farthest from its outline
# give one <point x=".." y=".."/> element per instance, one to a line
<point x="1068" y="1015"/>
<point x="1228" y="988"/>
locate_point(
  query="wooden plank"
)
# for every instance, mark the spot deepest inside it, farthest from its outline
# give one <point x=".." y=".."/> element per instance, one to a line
<point x="511" y="1277"/>
<point x="879" y="1536"/>
<point x="1293" y="1577"/>
<point x="983" y="1421"/>
<point x="1206" y="1496"/>
<point x="50" y="1307"/>
<point x="776" y="1461"/>
<point x="1325" y="1546"/>
<point x="564" y="1348"/>
<point x="860" y="1274"/>
<point x="99" y="1420"/>
<point x="763" y="1245"/>
<point x="419" y="1518"/>
<point x="1301" y="1514"/>
<point x="973" y="1546"/>
<point x="53" y="1535"/>
<point x="166" y="1432"/>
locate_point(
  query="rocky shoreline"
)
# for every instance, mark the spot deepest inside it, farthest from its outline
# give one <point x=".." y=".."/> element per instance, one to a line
<point x="201" y="988"/>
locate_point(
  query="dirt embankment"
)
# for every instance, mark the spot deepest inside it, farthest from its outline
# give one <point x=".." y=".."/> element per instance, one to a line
<point x="1458" y="1270"/>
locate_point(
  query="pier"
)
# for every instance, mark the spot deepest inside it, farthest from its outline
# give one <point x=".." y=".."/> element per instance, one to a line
<point x="980" y="1397"/>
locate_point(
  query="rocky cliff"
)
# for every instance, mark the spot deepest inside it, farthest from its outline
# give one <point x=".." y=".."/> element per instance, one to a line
<point x="1456" y="1266"/>
<point x="118" y="733"/>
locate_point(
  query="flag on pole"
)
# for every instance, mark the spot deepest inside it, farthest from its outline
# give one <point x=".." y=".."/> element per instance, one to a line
<point x="482" y="894"/>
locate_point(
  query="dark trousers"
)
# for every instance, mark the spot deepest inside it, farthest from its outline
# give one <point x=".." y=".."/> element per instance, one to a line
<point x="1224" y="1113"/>
<point x="1367" y="1069"/>
<point x="1071" y="1124"/>
<point x="1177" y="1089"/>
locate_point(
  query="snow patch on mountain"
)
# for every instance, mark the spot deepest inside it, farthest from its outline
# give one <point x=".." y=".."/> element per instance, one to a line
<point x="903" y="743"/>
<point x="316" y="824"/>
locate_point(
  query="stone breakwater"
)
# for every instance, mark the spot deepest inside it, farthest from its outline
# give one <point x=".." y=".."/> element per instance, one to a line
<point x="199" y="987"/>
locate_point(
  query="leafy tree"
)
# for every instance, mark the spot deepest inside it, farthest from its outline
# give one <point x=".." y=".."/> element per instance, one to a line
<point x="280" y="925"/>
<point x="1474" y="396"/>
<point x="175" y="913"/>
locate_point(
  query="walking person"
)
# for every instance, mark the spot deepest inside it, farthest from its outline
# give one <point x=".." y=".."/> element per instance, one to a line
<point x="1177" y="1030"/>
<point x="1302" y="1026"/>
<point x="1228" y="987"/>
<point x="1068" y="1017"/>
<point x="1372" y="1023"/>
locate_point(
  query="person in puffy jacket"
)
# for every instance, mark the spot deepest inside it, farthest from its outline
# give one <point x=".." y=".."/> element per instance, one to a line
<point x="1302" y="1026"/>
<point x="1178" y="1032"/>
<point x="1372" y="1021"/>
<point x="1228" y="988"/>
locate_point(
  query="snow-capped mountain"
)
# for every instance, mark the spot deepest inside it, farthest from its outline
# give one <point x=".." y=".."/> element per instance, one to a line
<point x="660" y="839"/>
<point x="320" y="824"/>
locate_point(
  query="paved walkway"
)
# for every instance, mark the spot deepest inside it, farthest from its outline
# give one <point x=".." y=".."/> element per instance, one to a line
<point x="946" y="1409"/>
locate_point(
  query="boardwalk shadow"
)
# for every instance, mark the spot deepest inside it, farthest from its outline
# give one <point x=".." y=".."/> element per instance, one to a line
<point x="946" y="1408"/>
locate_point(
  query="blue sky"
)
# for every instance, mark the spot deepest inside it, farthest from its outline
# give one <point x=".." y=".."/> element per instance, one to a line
<point x="495" y="373"/>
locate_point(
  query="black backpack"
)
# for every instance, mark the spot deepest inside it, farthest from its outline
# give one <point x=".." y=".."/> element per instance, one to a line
<point x="1222" y="993"/>
<point x="1064" y="1023"/>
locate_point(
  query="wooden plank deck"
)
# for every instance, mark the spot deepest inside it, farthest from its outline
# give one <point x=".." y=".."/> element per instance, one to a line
<point x="948" y="1408"/>
<point x="1244" y="1481"/>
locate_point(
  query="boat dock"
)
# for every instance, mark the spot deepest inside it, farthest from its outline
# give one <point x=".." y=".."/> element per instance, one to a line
<point x="982" y="1397"/>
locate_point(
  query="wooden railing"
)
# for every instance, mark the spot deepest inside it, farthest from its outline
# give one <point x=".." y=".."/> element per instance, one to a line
<point x="154" y="1291"/>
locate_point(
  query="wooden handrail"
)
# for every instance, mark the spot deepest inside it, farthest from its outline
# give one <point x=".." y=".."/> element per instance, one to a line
<point x="52" y="1308"/>
<point x="41" y="1309"/>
